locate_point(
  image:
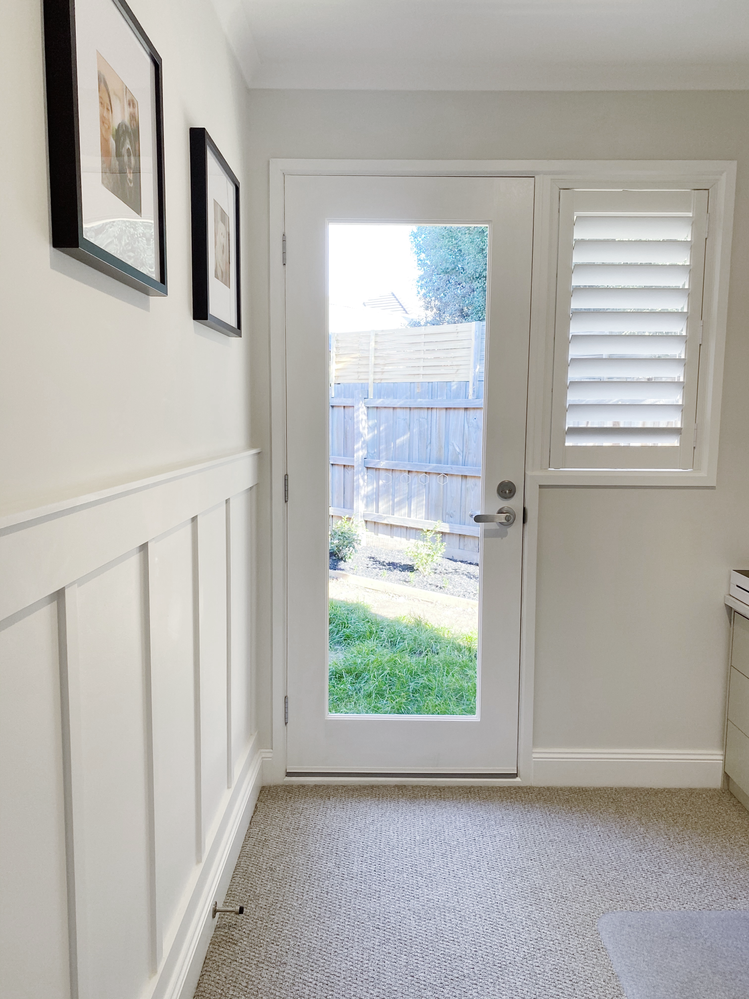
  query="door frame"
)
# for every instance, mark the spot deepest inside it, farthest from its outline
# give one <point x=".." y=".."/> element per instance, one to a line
<point x="319" y="741"/>
<point x="549" y="176"/>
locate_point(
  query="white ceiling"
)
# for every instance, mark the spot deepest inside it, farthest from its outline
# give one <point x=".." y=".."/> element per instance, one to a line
<point x="491" y="44"/>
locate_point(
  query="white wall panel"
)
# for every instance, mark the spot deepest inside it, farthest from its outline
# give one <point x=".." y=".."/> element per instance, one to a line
<point x="242" y="636"/>
<point x="114" y="703"/>
<point x="33" y="918"/>
<point x="45" y="549"/>
<point x="110" y="784"/>
<point x="172" y="597"/>
<point x="212" y="663"/>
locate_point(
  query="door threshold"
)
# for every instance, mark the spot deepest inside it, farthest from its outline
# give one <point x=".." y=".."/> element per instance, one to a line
<point x="389" y="775"/>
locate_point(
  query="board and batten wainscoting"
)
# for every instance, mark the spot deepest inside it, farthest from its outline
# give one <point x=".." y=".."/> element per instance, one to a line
<point x="127" y="718"/>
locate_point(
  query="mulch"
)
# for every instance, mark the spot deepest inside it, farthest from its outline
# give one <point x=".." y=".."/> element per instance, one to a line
<point x="458" y="579"/>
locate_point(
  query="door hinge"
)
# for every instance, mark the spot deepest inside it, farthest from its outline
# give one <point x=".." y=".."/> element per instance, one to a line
<point x="283" y="249"/>
<point x="702" y="326"/>
<point x="694" y="439"/>
<point x="707" y="225"/>
<point x="525" y="514"/>
<point x="286" y="488"/>
<point x="286" y="710"/>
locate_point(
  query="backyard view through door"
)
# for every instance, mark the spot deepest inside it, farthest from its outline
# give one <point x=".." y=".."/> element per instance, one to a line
<point x="407" y="323"/>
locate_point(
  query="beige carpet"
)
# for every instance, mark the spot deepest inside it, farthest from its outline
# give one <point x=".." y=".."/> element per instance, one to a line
<point x="440" y="893"/>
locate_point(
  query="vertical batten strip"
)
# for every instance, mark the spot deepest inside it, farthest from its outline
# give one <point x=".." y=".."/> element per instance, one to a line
<point x="229" y="748"/>
<point x="156" y="932"/>
<point x="251" y="618"/>
<point x="199" y="825"/>
<point x="67" y="623"/>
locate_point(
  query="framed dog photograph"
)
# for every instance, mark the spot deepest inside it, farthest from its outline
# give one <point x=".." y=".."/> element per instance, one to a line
<point x="106" y="140"/>
<point x="216" y="293"/>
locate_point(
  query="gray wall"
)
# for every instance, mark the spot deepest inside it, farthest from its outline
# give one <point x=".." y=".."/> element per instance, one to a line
<point x="631" y="632"/>
<point x="98" y="383"/>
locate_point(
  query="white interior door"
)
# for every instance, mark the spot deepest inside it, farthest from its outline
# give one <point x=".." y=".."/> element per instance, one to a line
<point x="483" y="742"/>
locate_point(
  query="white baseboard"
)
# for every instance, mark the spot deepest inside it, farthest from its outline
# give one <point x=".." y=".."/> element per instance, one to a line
<point x="180" y="971"/>
<point x="627" y="768"/>
<point x="569" y="768"/>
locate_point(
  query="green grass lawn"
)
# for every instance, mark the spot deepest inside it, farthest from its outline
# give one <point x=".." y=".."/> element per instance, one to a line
<point x="402" y="667"/>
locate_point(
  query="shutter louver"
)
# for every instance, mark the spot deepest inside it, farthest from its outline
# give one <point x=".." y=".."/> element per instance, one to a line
<point x="636" y="284"/>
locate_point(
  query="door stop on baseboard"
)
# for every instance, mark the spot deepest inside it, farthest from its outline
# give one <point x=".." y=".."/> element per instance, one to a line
<point x="235" y="910"/>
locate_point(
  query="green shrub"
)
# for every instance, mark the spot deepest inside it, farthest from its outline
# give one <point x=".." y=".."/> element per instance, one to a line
<point x="345" y="538"/>
<point x="427" y="549"/>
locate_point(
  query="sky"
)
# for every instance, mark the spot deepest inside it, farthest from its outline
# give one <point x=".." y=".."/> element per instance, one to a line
<point x="365" y="261"/>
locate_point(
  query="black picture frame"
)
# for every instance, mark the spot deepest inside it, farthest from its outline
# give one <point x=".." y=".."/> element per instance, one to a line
<point x="65" y="156"/>
<point x="202" y="147"/>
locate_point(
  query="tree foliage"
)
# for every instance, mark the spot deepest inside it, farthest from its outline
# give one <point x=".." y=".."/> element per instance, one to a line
<point x="452" y="262"/>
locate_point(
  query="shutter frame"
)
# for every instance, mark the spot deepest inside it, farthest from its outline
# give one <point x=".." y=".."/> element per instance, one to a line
<point x="573" y="324"/>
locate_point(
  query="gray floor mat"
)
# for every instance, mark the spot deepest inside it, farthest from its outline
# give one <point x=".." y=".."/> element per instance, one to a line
<point x="679" y="955"/>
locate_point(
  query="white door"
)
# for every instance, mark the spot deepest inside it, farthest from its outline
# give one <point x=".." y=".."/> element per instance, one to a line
<point x="483" y="740"/>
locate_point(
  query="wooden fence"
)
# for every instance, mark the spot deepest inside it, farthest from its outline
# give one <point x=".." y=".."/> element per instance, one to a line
<point x="405" y="455"/>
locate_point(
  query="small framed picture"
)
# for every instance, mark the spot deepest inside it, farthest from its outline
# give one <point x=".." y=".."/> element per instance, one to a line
<point x="216" y="294"/>
<point x="106" y="140"/>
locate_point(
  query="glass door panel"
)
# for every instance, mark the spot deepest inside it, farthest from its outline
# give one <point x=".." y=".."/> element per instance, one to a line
<point x="406" y="325"/>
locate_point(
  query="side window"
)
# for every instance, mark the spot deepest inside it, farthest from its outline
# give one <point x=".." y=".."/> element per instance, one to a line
<point x="629" y="329"/>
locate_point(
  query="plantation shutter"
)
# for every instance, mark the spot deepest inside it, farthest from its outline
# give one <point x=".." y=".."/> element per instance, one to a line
<point x="628" y="329"/>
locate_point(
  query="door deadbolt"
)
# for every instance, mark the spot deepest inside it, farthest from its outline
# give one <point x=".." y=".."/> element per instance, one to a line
<point x="506" y="489"/>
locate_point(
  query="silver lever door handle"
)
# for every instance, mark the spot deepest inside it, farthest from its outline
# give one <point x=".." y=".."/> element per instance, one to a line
<point x="505" y="515"/>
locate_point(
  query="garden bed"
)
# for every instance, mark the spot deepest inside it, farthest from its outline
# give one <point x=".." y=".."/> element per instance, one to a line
<point x="380" y="561"/>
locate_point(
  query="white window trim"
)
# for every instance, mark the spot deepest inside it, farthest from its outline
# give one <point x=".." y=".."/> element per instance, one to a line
<point x="719" y="179"/>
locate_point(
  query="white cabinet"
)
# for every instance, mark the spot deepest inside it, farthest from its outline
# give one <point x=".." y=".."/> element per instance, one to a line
<point x="737" y="724"/>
